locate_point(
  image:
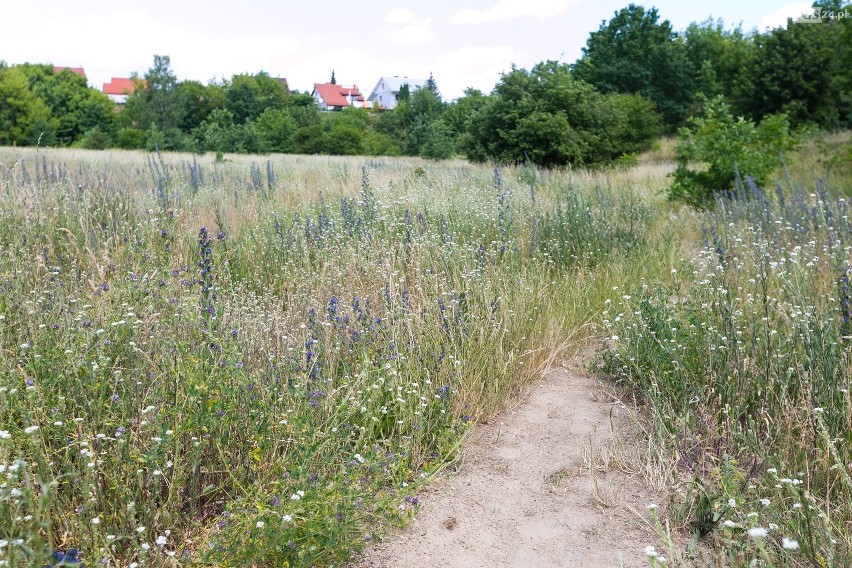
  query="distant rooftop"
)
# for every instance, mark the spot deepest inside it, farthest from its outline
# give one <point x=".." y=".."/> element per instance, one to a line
<point x="78" y="70"/>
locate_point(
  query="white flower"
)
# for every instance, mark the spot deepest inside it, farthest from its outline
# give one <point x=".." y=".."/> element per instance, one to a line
<point x="729" y="523"/>
<point x="732" y="503"/>
<point x="110" y="537"/>
<point x="140" y="529"/>
<point x="286" y="518"/>
<point x="4" y="543"/>
<point x="145" y="546"/>
<point x="260" y="524"/>
<point x="161" y="540"/>
<point x="295" y="497"/>
<point x="651" y="551"/>
<point x="757" y="532"/>
<point x="789" y="544"/>
<point x="359" y="458"/>
<point x="5" y="435"/>
<point x="96" y="521"/>
<point x="652" y="506"/>
<point x="765" y="502"/>
<point x="30" y="429"/>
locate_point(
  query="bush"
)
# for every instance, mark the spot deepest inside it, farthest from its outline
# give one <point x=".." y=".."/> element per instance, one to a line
<point x="715" y="148"/>
<point x="131" y="138"/>
<point x="96" y="139"/>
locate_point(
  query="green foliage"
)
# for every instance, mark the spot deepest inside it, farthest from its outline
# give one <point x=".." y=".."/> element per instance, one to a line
<point x="804" y="70"/>
<point x="552" y="118"/>
<point x="721" y="61"/>
<point x="716" y="148"/>
<point x="275" y="129"/>
<point x="744" y="362"/>
<point x="96" y="139"/>
<point x="265" y="395"/>
<point x="130" y="138"/>
<point x="156" y="104"/>
<point x="24" y="118"/>
<point x="636" y="53"/>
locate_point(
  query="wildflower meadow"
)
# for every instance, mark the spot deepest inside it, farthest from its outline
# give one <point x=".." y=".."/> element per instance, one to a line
<point x="261" y="361"/>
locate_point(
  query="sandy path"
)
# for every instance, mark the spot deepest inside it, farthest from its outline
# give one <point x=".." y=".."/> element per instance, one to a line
<point x="525" y="496"/>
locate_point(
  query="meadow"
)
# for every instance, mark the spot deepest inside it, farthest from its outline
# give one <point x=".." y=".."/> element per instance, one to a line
<point x="261" y="360"/>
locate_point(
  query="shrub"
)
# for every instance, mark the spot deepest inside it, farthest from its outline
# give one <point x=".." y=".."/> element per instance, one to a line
<point x="715" y="148"/>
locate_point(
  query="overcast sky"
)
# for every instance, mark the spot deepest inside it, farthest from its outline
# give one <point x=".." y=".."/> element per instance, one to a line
<point x="463" y="43"/>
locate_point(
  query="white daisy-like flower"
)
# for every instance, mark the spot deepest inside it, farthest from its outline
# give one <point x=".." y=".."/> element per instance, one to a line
<point x="757" y="532"/>
<point x="789" y="544"/>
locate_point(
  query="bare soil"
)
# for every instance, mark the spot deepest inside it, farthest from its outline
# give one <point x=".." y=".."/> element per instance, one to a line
<point x="541" y="486"/>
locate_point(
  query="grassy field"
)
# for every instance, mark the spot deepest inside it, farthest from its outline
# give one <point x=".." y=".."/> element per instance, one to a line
<point x="260" y="360"/>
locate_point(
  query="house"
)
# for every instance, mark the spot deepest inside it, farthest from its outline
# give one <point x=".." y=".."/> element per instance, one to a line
<point x="330" y="96"/>
<point x="386" y="91"/>
<point x="119" y="88"/>
<point x="78" y="70"/>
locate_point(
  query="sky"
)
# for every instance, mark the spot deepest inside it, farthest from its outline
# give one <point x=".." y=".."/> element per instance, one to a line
<point x="462" y="43"/>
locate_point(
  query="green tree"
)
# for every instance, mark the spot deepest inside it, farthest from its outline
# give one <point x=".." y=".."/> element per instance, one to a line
<point x="248" y="95"/>
<point x="720" y="60"/>
<point x="275" y="129"/>
<point x="432" y="86"/>
<point x="548" y="116"/>
<point x="74" y="107"/>
<point x="24" y="118"/>
<point x="803" y="70"/>
<point x="155" y="106"/>
<point x="196" y="101"/>
<point x="716" y="147"/>
<point x="636" y="53"/>
<point x="333" y="78"/>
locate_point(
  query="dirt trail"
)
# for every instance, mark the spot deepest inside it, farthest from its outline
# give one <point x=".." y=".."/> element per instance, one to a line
<point x="525" y="495"/>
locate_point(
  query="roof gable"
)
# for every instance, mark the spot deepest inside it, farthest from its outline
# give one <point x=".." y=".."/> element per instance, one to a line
<point x="78" y="70"/>
<point x="337" y="95"/>
<point x="120" y="86"/>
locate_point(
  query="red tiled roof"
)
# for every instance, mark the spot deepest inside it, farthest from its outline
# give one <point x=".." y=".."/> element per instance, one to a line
<point x="336" y="95"/>
<point x="77" y="70"/>
<point x="119" y="86"/>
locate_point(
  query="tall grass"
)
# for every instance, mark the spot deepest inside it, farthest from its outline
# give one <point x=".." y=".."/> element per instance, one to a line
<point x="241" y="363"/>
<point x="744" y="360"/>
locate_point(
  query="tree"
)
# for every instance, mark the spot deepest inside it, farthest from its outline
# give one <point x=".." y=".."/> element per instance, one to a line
<point x="24" y="118"/>
<point x="275" y="128"/>
<point x="156" y="105"/>
<point x="720" y="61"/>
<point x="333" y="78"/>
<point x="636" y="53"/>
<point x="432" y="86"/>
<point x="196" y="101"/>
<point x="804" y="71"/>
<point x="552" y="118"/>
<point x="724" y="147"/>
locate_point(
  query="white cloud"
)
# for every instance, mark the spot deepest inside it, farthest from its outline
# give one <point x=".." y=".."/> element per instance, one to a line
<point x="778" y="19"/>
<point x="413" y="34"/>
<point x="106" y="47"/>
<point x="473" y="66"/>
<point x="513" y="9"/>
<point x="412" y="29"/>
<point x="400" y="16"/>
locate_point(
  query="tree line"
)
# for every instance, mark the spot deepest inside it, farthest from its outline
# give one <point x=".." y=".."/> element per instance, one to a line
<point x="636" y="79"/>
